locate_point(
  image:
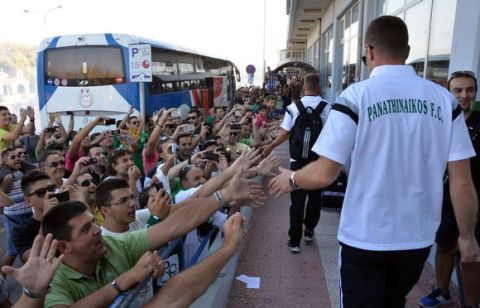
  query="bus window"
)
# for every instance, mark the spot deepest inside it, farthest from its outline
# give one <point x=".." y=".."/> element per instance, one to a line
<point x="81" y="66"/>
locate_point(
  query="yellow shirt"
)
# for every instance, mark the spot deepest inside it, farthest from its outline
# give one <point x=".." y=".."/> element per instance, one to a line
<point x="5" y="143"/>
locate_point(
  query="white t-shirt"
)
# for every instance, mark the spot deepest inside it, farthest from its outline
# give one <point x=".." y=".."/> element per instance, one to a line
<point x="399" y="151"/>
<point x="192" y="240"/>
<point x="292" y="114"/>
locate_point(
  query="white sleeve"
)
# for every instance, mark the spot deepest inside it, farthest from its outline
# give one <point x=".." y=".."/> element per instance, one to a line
<point x="460" y="143"/>
<point x="142" y="216"/>
<point x="287" y="122"/>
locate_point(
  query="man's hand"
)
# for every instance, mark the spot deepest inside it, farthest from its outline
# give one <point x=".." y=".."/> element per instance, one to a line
<point x="149" y="263"/>
<point x="469" y="249"/>
<point x="240" y="189"/>
<point x="247" y="159"/>
<point x="267" y="165"/>
<point x="37" y="273"/>
<point x="281" y="183"/>
<point x="30" y="112"/>
<point x="49" y="203"/>
<point x="160" y="205"/>
<point x="133" y="173"/>
<point x="234" y="231"/>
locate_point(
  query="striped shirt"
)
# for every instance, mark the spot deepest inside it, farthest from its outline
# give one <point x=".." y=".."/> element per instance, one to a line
<point x="19" y="206"/>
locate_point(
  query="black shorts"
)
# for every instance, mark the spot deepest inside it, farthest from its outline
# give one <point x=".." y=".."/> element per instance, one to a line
<point x="378" y="279"/>
<point x="448" y="230"/>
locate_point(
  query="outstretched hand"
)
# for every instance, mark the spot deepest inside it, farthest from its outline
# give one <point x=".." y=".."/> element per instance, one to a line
<point x="243" y="190"/>
<point x="280" y="184"/>
<point x="267" y="166"/>
<point x="37" y="273"/>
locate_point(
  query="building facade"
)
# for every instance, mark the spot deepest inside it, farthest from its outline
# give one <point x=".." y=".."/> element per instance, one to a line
<point x="444" y="37"/>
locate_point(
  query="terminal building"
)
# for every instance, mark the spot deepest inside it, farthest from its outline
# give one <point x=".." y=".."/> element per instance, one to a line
<point x="328" y="35"/>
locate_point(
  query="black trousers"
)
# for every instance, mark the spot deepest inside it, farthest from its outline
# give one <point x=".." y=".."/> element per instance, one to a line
<point x="378" y="279"/>
<point x="298" y="214"/>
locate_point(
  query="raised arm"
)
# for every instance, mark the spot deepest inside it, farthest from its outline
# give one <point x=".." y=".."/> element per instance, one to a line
<point x="125" y="118"/>
<point x="30" y="128"/>
<point x="154" y="137"/>
<point x="82" y="134"/>
<point x="12" y="136"/>
<point x="58" y="119"/>
<point x="184" y="288"/>
<point x="71" y="124"/>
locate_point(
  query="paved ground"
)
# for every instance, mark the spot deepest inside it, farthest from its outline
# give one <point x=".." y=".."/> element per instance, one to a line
<point x="308" y="279"/>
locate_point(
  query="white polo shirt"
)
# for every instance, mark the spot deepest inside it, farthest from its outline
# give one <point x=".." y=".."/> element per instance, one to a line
<point x="398" y="152"/>
<point x="292" y="112"/>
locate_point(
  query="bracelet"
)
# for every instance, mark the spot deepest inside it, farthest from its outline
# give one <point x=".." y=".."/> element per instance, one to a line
<point x="221" y="202"/>
<point x="36" y="295"/>
<point x="115" y="285"/>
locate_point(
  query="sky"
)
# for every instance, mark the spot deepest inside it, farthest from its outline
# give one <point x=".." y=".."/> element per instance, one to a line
<point x="228" y="28"/>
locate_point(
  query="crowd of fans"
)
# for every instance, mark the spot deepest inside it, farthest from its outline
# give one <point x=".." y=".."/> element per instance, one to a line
<point x="140" y="184"/>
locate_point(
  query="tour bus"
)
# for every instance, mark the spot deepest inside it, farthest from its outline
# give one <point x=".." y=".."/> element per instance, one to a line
<point x="88" y="75"/>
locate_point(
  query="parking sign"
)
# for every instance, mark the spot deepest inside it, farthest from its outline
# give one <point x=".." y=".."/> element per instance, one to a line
<point x="140" y="62"/>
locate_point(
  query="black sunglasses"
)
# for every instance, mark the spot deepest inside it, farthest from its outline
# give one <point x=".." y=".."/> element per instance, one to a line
<point x="13" y="156"/>
<point x="234" y="133"/>
<point x="55" y="164"/>
<point x="86" y="183"/>
<point x="42" y="191"/>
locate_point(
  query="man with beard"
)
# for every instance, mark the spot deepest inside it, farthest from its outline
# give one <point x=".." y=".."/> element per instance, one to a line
<point x="97" y="170"/>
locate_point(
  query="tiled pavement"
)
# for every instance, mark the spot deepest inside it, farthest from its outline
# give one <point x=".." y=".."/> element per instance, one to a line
<point x="308" y="279"/>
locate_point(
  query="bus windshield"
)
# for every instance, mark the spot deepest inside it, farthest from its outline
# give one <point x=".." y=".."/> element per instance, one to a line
<point x="84" y="66"/>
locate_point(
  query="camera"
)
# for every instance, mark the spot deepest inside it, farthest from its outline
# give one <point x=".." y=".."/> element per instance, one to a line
<point x="210" y="156"/>
<point x="91" y="161"/>
<point x="62" y="196"/>
<point x="110" y="122"/>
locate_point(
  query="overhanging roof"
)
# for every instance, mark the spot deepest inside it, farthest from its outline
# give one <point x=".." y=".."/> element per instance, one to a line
<point x="297" y="64"/>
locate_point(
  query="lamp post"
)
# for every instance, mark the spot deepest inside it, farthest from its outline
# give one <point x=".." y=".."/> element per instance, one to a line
<point x="44" y="15"/>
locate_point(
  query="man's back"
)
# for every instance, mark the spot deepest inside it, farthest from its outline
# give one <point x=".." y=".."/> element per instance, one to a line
<point x="401" y="146"/>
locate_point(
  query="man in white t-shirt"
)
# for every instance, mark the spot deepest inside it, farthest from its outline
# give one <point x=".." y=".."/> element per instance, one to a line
<point x="397" y="132"/>
<point x="299" y="215"/>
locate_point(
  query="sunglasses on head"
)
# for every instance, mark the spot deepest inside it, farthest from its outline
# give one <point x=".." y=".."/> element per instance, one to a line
<point x="55" y="164"/>
<point x="459" y="74"/>
<point x="42" y="191"/>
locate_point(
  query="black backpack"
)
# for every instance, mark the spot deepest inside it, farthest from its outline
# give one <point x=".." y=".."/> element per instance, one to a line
<point x="305" y="131"/>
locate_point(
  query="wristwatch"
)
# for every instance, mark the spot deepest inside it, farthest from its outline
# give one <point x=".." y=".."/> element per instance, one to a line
<point x="291" y="181"/>
<point x="36" y="295"/>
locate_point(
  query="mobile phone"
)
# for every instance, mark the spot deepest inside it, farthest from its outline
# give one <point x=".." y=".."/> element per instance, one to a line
<point x="110" y="122"/>
<point x="91" y="161"/>
<point x="62" y="196"/>
<point x="210" y="156"/>
<point x="175" y="114"/>
<point x="238" y="113"/>
<point x="189" y="128"/>
<point x="174" y="148"/>
<point x="235" y="126"/>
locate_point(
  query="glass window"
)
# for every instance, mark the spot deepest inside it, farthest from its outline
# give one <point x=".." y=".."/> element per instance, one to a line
<point x="84" y="66"/>
<point x="393" y="5"/>
<point x="349" y="47"/>
<point x="441" y="33"/>
<point x="327" y="41"/>
<point x="417" y="23"/>
<point x="185" y="68"/>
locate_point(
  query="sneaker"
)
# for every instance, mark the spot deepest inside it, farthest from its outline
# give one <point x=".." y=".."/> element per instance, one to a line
<point x="308" y="236"/>
<point x="295" y="248"/>
<point x="436" y="298"/>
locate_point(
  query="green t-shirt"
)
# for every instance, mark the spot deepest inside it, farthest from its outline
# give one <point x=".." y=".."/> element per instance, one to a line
<point x="123" y="252"/>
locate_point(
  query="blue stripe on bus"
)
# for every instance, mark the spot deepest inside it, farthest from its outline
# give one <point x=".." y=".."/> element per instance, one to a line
<point x="53" y="42"/>
<point x="129" y="92"/>
<point x="111" y="41"/>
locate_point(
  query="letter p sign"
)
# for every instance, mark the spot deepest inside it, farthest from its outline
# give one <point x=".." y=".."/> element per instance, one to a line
<point x="134" y="52"/>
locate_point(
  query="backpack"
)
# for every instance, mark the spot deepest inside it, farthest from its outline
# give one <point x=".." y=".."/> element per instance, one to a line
<point x="305" y="131"/>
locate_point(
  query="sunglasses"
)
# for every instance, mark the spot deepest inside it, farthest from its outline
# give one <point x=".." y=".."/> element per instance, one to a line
<point x="21" y="153"/>
<point x="86" y="183"/>
<point x="458" y="74"/>
<point x="170" y="126"/>
<point x="135" y="123"/>
<point x="55" y="164"/>
<point x="233" y="134"/>
<point x="42" y="191"/>
<point x="192" y="118"/>
<point x="14" y="156"/>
